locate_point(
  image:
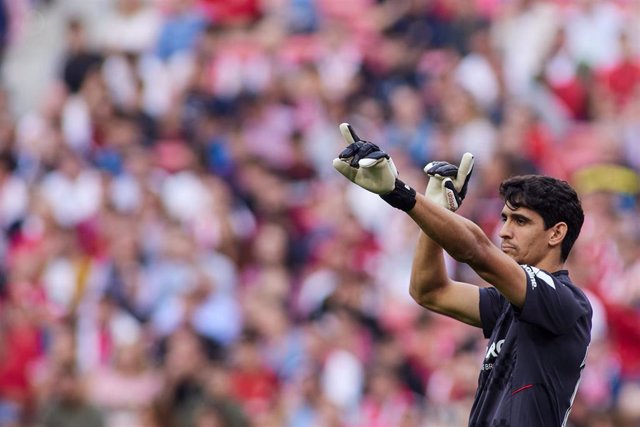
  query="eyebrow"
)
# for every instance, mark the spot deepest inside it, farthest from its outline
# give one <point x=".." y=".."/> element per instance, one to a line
<point x="515" y="216"/>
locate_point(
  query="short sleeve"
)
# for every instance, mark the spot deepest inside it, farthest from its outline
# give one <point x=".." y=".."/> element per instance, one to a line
<point x="551" y="304"/>
<point x="491" y="306"/>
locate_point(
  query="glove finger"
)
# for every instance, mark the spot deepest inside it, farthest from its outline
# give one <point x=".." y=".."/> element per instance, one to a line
<point x="441" y="169"/>
<point x="451" y="195"/>
<point x="350" y="151"/>
<point x="348" y="133"/>
<point x="465" y="168"/>
<point x="428" y="166"/>
<point x="464" y="174"/>
<point x="368" y="162"/>
<point x="367" y="150"/>
<point x="357" y="151"/>
<point x="445" y="170"/>
<point x="372" y="158"/>
<point x="432" y="166"/>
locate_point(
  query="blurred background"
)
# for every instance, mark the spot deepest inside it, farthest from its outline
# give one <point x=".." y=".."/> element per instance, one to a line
<point x="177" y="250"/>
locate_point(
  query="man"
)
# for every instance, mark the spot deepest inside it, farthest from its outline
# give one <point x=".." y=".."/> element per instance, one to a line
<point x="538" y="323"/>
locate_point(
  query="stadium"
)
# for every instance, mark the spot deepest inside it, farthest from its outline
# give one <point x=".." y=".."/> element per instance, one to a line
<point x="178" y="251"/>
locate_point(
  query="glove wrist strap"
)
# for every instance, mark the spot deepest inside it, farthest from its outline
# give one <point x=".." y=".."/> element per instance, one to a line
<point x="401" y="197"/>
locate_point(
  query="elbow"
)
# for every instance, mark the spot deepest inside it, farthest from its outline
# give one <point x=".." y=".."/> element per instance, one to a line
<point x="466" y="255"/>
<point x="422" y="292"/>
<point x="421" y="298"/>
<point x="415" y="293"/>
<point x="474" y="253"/>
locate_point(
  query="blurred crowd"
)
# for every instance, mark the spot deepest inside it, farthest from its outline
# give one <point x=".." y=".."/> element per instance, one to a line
<point x="177" y="250"/>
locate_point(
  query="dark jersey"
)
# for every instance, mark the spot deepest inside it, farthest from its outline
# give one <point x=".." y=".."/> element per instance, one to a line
<point x="535" y="354"/>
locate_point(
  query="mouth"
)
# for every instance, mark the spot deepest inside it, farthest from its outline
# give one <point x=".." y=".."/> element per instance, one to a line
<point x="506" y="248"/>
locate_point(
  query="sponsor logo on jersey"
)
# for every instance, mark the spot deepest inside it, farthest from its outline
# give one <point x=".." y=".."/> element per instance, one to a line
<point x="531" y="274"/>
<point x="494" y="349"/>
<point x="492" y="354"/>
<point x="535" y="273"/>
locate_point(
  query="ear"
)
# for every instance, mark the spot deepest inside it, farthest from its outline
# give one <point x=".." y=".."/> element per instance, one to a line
<point x="557" y="234"/>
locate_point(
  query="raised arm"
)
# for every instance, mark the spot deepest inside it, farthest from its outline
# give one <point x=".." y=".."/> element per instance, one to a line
<point x="467" y="243"/>
<point x="365" y="164"/>
<point x="432" y="288"/>
<point x="430" y="285"/>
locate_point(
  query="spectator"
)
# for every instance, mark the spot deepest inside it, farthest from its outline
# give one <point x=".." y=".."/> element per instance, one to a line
<point x="173" y="186"/>
<point x="67" y="407"/>
<point x="124" y="389"/>
<point x="79" y="58"/>
<point x="180" y="27"/>
<point x="131" y="29"/>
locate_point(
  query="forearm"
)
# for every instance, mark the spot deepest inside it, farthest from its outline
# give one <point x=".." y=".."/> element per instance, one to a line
<point x="442" y="229"/>
<point x="428" y="271"/>
<point x="461" y="238"/>
<point x="431" y="286"/>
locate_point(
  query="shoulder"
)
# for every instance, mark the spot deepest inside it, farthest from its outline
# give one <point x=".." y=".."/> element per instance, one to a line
<point x="537" y="276"/>
<point x="553" y="301"/>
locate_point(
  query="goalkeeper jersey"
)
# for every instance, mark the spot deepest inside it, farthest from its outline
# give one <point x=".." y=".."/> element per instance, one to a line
<point x="535" y="354"/>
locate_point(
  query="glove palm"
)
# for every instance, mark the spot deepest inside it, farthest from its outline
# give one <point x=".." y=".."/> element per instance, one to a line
<point x="448" y="183"/>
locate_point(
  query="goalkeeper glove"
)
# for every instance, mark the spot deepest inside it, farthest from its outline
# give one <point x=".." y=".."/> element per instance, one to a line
<point x="366" y="165"/>
<point x="448" y="183"/>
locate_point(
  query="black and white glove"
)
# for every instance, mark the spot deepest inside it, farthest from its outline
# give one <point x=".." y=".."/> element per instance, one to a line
<point x="366" y="165"/>
<point x="448" y="183"/>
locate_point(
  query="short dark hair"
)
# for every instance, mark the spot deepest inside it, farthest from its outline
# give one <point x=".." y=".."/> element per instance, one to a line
<point x="555" y="200"/>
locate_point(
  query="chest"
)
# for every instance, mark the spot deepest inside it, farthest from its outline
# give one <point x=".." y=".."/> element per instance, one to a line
<point x="502" y="348"/>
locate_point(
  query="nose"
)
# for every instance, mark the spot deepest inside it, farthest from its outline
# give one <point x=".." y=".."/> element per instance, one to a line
<point x="505" y="231"/>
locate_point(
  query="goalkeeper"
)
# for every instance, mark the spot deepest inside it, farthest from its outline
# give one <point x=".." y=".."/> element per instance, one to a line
<point x="537" y="321"/>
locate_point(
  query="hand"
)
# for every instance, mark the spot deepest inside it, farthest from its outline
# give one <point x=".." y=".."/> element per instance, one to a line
<point x="448" y="183"/>
<point x="365" y="164"/>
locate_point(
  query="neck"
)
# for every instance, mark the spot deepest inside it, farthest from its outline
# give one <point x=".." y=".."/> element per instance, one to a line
<point x="550" y="265"/>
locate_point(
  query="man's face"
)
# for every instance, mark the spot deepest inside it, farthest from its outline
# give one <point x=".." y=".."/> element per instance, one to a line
<point x="523" y="235"/>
